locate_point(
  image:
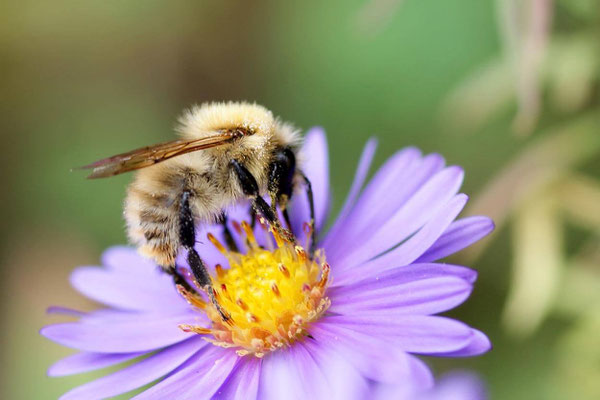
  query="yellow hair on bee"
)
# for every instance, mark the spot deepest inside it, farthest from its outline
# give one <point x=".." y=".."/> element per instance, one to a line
<point x="153" y="199"/>
<point x="209" y="117"/>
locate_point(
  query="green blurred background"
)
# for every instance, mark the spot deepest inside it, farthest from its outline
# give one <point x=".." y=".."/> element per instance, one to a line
<point x="508" y="89"/>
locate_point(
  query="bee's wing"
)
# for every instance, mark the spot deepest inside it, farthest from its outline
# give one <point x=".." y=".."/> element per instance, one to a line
<point x="150" y="155"/>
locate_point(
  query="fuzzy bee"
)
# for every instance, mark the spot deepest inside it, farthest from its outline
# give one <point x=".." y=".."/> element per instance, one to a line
<point x="227" y="152"/>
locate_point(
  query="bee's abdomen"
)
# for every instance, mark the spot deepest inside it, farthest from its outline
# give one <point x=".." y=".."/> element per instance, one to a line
<point x="152" y="225"/>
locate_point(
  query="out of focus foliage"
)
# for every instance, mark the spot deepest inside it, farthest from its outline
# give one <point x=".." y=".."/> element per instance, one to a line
<point x="550" y="67"/>
<point x="508" y="89"/>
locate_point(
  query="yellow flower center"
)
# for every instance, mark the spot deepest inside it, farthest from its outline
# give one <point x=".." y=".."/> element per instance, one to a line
<point x="270" y="295"/>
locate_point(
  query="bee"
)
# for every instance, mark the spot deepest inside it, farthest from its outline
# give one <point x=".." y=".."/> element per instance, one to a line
<point x="227" y="152"/>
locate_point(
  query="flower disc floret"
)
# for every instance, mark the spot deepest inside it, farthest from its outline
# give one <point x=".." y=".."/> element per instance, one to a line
<point x="270" y="295"/>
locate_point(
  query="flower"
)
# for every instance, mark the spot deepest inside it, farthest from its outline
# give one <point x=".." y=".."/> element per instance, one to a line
<point x="455" y="385"/>
<point x="322" y="326"/>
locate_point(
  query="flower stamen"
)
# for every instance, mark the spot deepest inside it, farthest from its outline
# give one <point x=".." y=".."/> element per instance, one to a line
<point x="192" y="298"/>
<point x="271" y="295"/>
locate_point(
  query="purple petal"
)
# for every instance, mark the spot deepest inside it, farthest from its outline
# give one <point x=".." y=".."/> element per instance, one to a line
<point x="459" y="235"/>
<point x="344" y="381"/>
<point x="127" y="259"/>
<point x="108" y="331"/>
<point x="85" y="362"/>
<point x="278" y="377"/>
<point x="291" y="372"/>
<point x="458" y="385"/>
<point x="138" y="374"/>
<point x="243" y="381"/>
<point x="377" y="360"/>
<point x="393" y="391"/>
<point x="315" y="165"/>
<point x="412" y="333"/>
<point x="478" y="344"/>
<point x="65" y="311"/>
<point x="239" y="211"/>
<point x="359" y="179"/>
<point x="375" y="199"/>
<point x="422" y="207"/>
<point x="143" y="290"/>
<point x="308" y="371"/>
<point x="209" y="253"/>
<point x="413" y="272"/>
<point x="422" y="297"/>
<point x="421" y="381"/>
<point x="421" y="373"/>
<point x="124" y="266"/>
<point x="412" y="248"/>
<point x="199" y="378"/>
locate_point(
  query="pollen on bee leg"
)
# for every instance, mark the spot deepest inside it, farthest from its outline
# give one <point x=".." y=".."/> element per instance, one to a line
<point x="269" y="244"/>
<point x="185" y="273"/>
<point x="188" y="276"/>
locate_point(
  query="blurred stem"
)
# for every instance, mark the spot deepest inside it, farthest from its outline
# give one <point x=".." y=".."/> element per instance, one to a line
<point x="537" y="265"/>
<point x="578" y="356"/>
<point x="580" y="199"/>
<point x="578" y="292"/>
<point x="525" y="28"/>
<point x="572" y="69"/>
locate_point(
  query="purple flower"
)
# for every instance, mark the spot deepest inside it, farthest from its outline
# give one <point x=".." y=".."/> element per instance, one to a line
<point x="309" y="327"/>
<point x="456" y="385"/>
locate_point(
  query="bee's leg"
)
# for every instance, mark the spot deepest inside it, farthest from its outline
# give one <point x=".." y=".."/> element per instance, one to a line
<point x="250" y="188"/>
<point x="281" y="176"/>
<point x="282" y="172"/>
<point x="252" y="213"/>
<point x="281" y="181"/>
<point x="227" y="233"/>
<point x="178" y="279"/>
<point x="286" y="218"/>
<point x="187" y="235"/>
<point x="311" y="206"/>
